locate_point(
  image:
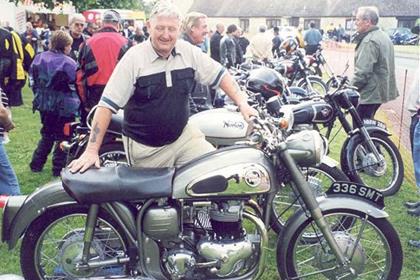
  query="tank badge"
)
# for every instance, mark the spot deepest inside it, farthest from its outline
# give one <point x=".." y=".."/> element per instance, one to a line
<point x="325" y="112"/>
<point x="253" y="177"/>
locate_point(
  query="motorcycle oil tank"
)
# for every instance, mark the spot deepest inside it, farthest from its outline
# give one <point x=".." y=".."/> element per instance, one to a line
<point x="232" y="171"/>
<point x="222" y="127"/>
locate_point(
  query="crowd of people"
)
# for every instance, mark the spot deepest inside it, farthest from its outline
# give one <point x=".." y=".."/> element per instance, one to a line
<point x="152" y="76"/>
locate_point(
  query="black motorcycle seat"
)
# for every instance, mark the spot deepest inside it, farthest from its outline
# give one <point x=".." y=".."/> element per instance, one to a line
<point x="121" y="183"/>
<point x="116" y="123"/>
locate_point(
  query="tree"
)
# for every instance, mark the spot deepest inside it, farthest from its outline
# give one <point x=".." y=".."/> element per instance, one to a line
<point x="82" y="5"/>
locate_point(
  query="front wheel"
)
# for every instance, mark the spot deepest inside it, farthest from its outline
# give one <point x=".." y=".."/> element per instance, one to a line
<point x="53" y="243"/>
<point x="371" y="245"/>
<point x="386" y="175"/>
<point x="286" y="201"/>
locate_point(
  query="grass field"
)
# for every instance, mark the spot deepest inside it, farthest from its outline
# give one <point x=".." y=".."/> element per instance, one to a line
<point x="26" y="135"/>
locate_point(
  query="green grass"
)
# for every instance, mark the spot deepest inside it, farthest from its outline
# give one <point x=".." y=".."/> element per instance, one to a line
<point x="26" y="135"/>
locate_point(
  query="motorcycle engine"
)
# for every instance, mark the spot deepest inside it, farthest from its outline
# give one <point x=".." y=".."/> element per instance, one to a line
<point x="215" y="243"/>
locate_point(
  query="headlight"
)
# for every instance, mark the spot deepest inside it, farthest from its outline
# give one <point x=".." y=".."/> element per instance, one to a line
<point x="306" y="147"/>
<point x="287" y="117"/>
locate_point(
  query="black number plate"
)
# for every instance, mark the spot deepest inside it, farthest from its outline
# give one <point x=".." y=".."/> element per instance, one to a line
<point x="368" y="194"/>
<point x="370" y="122"/>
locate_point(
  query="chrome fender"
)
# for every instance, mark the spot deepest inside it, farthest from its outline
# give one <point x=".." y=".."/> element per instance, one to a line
<point x="330" y="162"/>
<point x="330" y="203"/>
<point x="21" y="211"/>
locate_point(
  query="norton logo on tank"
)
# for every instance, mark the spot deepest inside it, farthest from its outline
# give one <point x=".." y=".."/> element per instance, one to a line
<point x="233" y="124"/>
<point x="253" y="177"/>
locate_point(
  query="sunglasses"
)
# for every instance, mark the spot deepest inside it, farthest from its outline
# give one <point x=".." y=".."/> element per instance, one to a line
<point x="79" y="24"/>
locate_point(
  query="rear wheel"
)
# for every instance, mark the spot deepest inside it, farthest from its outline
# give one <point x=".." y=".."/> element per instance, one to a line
<point x="52" y="245"/>
<point x="317" y="84"/>
<point x="371" y="245"/>
<point x="112" y="154"/>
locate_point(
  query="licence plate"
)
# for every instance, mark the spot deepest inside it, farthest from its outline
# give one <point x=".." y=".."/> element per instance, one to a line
<point x="363" y="192"/>
<point x="371" y="122"/>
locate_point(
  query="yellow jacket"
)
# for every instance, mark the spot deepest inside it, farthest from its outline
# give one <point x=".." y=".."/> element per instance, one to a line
<point x="24" y="55"/>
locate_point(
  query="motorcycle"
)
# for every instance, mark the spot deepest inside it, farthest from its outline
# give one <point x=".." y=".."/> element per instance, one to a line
<point x="201" y="221"/>
<point x="298" y="72"/>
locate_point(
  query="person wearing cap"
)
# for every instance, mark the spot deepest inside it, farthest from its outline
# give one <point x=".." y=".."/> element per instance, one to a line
<point x="77" y="24"/>
<point x="152" y="83"/>
<point x="97" y="62"/>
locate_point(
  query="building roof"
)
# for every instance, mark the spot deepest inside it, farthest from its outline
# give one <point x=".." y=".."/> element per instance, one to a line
<point x="303" y="8"/>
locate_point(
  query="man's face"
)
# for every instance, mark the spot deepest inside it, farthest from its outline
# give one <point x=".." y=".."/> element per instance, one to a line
<point x="77" y="28"/>
<point x="199" y="32"/>
<point x="164" y="32"/>
<point x="362" y="25"/>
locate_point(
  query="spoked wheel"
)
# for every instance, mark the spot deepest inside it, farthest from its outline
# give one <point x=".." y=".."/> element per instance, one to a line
<point x="371" y="245"/>
<point x="53" y="244"/>
<point x="387" y="174"/>
<point x="317" y="84"/>
<point x="286" y="202"/>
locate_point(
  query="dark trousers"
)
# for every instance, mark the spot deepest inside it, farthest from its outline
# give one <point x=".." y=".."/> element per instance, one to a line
<point x="311" y="49"/>
<point x="414" y="121"/>
<point x="367" y="111"/>
<point x="51" y="136"/>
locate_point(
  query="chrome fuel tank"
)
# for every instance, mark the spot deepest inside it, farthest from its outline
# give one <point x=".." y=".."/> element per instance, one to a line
<point x="222" y="127"/>
<point x="231" y="171"/>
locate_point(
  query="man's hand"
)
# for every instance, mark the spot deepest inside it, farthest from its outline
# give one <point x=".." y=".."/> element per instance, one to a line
<point x="247" y="111"/>
<point x="5" y="120"/>
<point x="84" y="162"/>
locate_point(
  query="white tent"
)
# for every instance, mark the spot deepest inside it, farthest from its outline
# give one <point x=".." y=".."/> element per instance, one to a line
<point x="12" y="15"/>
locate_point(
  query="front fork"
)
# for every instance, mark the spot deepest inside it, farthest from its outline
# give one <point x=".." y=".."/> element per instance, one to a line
<point x="312" y="205"/>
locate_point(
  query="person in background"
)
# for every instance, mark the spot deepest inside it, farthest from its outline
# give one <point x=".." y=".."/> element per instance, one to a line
<point x="276" y="42"/>
<point x="228" y="47"/>
<point x="312" y="39"/>
<point x="374" y="67"/>
<point x="138" y="36"/>
<point x="96" y="63"/>
<point x="239" y="51"/>
<point x="146" y="32"/>
<point x="194" y="29"/>
<point x="126" y="32"/>
<point x="243" y="42"/>
<point x="77" y="24"/>
<point x="261" y="45"/>
<point x="155" y="97"/>
<point x="24" y="55"/>
<point x="52" y="76"/>
<point x="8" y="181"/>
<point x="31" y="36"/>
<point x="215" y="42"/>
<point x="413" y="106"/>
<point x="91" y="28"/>
<point x="299" y="37"/>
<point x="45" y="37"/>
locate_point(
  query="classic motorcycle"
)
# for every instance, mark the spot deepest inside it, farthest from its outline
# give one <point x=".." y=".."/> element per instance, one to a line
<point x="201" y="221"/>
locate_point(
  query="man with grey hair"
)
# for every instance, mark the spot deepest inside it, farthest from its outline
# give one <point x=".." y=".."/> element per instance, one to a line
<point x="77" y="24"/>
<point x="215" y="42"/>
<point x="152" y="83"/>
<point x="374" y="68"/>
<point x="194" y="28"/>
<point x="261" y="45"/>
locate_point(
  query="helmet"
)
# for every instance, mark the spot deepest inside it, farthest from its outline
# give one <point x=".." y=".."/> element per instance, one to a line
<point x="265" y="81"/>
<point x="289" y="45"/>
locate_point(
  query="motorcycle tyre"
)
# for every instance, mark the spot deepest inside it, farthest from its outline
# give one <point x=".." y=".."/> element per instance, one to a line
<point x="314" y="80"/>
<point x="389" y="190"/>
<point x="286" y="245"/>
<point x="38" y="226"/>
<point x="334" y="172"/>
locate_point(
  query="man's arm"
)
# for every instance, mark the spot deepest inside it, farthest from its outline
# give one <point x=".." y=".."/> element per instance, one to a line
<point x="90" y="155"/>
<point x="363" y="66"/>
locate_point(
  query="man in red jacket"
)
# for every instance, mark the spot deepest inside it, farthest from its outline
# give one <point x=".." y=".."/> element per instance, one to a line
<point x="96" y="62"/>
